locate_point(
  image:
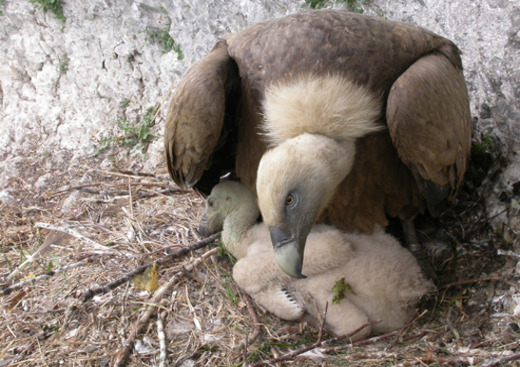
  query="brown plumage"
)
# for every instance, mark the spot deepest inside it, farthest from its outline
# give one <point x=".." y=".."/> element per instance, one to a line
<point x="410" y="153"/>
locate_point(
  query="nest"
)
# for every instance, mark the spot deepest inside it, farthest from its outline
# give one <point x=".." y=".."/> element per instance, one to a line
<point x="64" y="241"/>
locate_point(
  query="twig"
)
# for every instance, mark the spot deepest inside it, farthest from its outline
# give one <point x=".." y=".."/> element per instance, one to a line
<point x="373" y="339"/>
<point x="169" y="186"/>
<point x="318" y="344"/>
<point x="8" y="290"/>
<point x="68" y="231"/>
<point x="122" y="355"/>
<point x="119" y="194"/>
<point x="163" y="357"/>
<point x="107" y="287"/>
<point x="471" y="281"/>
<point x="244" y="352"/>
<point x="508" y="253"/>
<point x="131" y="173"/>
<point x="78" y="235"/>
<point x="322" y="324"/>
<point x="500" y="361"/>
<point x="256" y="324"/>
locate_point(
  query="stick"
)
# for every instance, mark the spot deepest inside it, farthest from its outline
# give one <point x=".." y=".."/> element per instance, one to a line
<point x="163" y="357"/>
<point x="320" y="343"/>
<point x="500" y="361"/>
<point x="256" y="324"/>
<point x="471" y="281"/>
<point x="93" y="244"/>
<point x="122" y="355"/>
<point x="311" y="347"/>
<point x="107" y="287"/>
<point x="322" y="324"/>
<point x="8" y="290"/>
<point x="114" y="184"/>
<point x="508" y="253"/>
<point x="78" y="235"/>
<point x="374" y="339"/>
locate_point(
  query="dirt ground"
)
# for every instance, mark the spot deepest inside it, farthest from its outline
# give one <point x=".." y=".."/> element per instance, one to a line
<point x="119" y="218"/>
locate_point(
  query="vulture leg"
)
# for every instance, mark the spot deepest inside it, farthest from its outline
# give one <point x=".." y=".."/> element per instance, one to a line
<point x="417" y="248"/>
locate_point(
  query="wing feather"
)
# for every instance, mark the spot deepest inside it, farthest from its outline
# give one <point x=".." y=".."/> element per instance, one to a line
<point x="429" y="122"/>
<point x="196" y="115"/>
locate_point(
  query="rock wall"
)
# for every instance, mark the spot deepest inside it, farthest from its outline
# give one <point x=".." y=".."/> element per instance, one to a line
<point x="62" y="90"/>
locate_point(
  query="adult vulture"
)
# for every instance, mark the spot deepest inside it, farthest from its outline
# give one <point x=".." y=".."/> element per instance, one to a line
<point x="365" y="119"/>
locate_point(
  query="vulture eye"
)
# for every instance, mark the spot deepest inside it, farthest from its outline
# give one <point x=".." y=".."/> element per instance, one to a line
<point x="211" y="203"/>
<point x="290" y="200"/>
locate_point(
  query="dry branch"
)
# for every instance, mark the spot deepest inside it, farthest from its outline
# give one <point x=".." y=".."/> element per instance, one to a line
<point x="121" y="356"/>
<point x="68" y="231"/>
<point x="501" y="361"/>
<point x="79" y="236"/>
<point x="8" y="290"/>
<point x="318" y="344"/>
<point x="471" y="281"/>
<point x="359" y="343"/>
<point x="374" y="339"/>
<point x="107" y="287"/>
<point x="163" y="357"/>
<point x="168" y="186"/>
<point x="254" y="317"/>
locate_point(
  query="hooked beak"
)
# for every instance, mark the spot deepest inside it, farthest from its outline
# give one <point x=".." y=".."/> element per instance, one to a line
<point x="288" y="252"/>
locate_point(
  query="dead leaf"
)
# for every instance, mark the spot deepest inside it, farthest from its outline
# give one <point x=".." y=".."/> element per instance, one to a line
<point x="148" y="280"/>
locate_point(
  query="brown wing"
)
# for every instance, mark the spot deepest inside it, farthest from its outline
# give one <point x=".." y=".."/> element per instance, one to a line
<point x="195" y="137"/>
<point x="429" y="122"/>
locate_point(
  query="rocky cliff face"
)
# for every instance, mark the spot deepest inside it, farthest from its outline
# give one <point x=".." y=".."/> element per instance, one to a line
<point x="64" y="85"/>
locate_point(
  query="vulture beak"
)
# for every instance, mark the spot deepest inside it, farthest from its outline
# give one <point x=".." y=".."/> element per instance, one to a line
<point x="288" y="252"/>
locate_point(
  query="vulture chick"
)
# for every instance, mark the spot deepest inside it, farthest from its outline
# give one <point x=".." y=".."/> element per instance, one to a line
<point x="366" y="119"/>
<point x="380" y="280"/>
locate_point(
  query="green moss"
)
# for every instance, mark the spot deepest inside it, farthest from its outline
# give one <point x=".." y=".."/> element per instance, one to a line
<point x="124" y="103"/>
<point x="63" y="65"/>
<point x="162" y="37"/>
<point x="352" y="5"/>
<point x="138" y="134"/>
<point x="482" y="147"/>
<point x="135" y="134"/>
<point x="316" y="4"/>
<point x="55" y="6"/>
<point x="339" y="289"/>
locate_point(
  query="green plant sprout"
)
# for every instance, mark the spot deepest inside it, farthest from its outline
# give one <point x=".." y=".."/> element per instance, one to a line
<point x="55" y="6"/>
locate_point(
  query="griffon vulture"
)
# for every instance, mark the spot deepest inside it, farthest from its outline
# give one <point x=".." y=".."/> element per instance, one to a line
<point x="361" y="277"/>
<point x="366" y="119"/>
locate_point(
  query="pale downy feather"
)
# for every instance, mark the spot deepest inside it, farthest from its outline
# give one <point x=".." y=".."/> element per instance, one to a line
<point x="384" y="279"/>
<point x="328" y="105"/>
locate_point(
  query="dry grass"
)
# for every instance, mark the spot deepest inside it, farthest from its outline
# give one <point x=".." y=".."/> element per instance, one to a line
<point x="206" y="320"/>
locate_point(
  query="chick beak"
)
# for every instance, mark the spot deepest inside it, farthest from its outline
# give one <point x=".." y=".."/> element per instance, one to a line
<point x="288" y="252"/>
<point x="204" y="226"/>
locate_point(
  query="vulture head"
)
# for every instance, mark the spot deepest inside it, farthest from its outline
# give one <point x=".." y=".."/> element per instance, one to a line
<point x="295" y="182"/>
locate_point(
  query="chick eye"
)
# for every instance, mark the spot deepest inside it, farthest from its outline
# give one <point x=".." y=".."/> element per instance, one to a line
<point x="211" y="203"/>
<point x="290" y="200"/>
